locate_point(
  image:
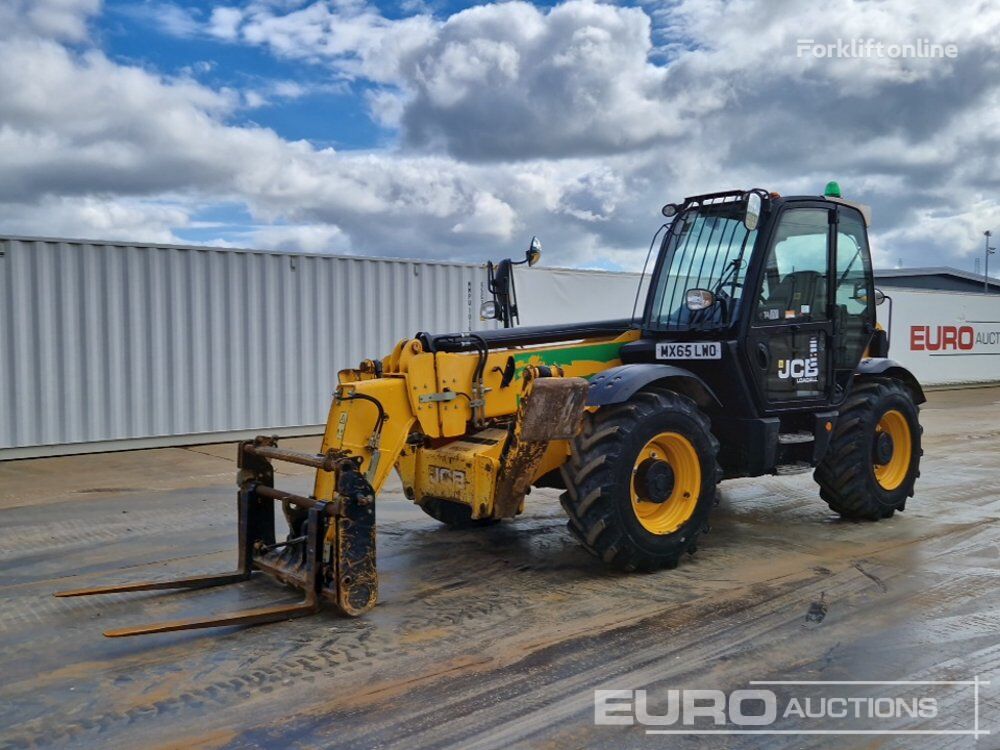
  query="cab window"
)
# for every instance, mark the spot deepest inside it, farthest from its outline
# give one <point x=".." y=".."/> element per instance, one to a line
<point x="795" y="282"/>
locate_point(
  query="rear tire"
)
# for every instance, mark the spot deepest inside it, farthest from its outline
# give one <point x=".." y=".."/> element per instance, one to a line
<point x="610" y="513"/>
<point x="859" y="478"/>
<point x="454" y="515"/>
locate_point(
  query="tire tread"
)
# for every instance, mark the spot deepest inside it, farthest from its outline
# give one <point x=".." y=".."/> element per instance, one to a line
<point x="589" y="477"/>
<point x="842" y="474"/>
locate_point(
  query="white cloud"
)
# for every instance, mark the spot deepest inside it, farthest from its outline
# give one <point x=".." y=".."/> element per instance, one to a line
<point x="594" y="196"/>
<point x="956" y="225"/>
<point x="305" y="238"/>
<point x="84" y="129"/>
<point x="495" y="81"/>
<point x="83" y="124"/>
<point x="91" y="217"/>
<point x="56" y="19"/>
<point x="224" y="22"/>
<point x="171" y="19"/>
<point x="270" y="92"/>
<point x="489" y="217"/>
<point x="355" y="36"/>
<point x="510" y="81"/>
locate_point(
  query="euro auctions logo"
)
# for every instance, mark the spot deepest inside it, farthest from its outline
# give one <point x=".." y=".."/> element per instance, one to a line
<point x="953" y="339"/>
<point x="745" y="708"/>
<point x="800" y="708"/>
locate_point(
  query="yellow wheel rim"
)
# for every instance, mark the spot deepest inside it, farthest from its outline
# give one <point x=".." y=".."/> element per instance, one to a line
<point x="670" y="515"/>
<point x="892" y="473"/>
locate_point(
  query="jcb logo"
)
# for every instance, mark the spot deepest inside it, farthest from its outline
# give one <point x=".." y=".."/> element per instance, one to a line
<point x="798" y="369"/>
<point x="441" y="475"/>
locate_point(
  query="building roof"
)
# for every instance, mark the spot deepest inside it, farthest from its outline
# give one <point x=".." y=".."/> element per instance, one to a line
<point x="968" y="276"/>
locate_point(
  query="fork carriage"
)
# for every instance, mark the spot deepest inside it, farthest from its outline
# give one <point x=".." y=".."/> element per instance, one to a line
<point x="329" y="553"/>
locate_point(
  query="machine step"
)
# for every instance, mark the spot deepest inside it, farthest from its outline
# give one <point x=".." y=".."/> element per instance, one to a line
<point x="799" y="467"/>
<point x="790" y="438"/>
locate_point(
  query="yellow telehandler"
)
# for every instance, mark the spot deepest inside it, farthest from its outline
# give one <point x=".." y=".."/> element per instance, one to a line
<point x="756" y="352"/>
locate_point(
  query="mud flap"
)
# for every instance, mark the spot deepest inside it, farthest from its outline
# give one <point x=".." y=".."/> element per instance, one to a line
<point x="354" y="544"/>
<point x="551" y="409"/>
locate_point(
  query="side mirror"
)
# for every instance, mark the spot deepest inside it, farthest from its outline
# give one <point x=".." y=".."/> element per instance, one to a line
<point x="751" y="216"/>
<point x="861" y="295"/>
<point x="534" y="253"/>
<point x="488" y="310"/>
<point x="699" y="299"/>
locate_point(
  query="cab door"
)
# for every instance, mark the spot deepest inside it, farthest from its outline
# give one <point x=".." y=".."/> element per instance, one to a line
<point x="854" y="296"/>
<point x="790" y="329"/>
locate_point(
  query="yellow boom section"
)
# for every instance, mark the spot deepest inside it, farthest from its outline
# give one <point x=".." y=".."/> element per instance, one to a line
<point x="432" y="393"/>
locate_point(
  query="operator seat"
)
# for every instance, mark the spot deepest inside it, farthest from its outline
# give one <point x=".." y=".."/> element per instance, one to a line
<point x="800" y="289"/>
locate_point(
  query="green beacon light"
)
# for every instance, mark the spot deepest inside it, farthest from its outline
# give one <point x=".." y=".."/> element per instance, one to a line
<point x="832" y="189"/>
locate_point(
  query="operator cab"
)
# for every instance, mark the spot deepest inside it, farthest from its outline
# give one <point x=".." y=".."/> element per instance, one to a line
<point x="768" y="299"/>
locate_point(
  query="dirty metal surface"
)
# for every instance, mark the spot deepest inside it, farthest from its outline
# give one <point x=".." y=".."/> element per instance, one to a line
<point x="552" y="410"/>
<point x="496" y="637"/>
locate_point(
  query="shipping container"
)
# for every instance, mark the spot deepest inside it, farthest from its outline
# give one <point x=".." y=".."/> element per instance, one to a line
<point x="108" y="345"/>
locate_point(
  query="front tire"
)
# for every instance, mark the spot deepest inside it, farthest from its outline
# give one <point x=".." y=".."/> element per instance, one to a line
<point x="873" y="460"/>
<point x="641" y="480"/>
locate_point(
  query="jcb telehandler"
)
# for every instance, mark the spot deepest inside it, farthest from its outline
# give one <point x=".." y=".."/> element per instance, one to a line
<point x="757" y="352"/>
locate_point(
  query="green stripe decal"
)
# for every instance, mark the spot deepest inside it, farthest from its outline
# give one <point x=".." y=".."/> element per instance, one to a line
<point x="567" y="356"/>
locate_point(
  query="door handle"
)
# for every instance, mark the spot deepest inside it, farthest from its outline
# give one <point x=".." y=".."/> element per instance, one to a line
<point x="763" y="355"/>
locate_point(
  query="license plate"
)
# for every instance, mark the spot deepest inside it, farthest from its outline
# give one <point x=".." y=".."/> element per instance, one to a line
<point x="691" y="350"/>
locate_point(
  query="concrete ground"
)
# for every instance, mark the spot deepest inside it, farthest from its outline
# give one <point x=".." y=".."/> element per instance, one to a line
<point x="495" y="637"/>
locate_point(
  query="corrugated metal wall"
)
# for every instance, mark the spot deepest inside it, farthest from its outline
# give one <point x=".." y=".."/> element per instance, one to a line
<point x="102" y="343"/>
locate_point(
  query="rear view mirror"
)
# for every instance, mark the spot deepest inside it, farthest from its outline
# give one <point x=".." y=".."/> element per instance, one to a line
<point x="699" y="299"/>
<point x="751" y="216"/>
<point x="534" y="253"/>
<point x="861" y="294"/>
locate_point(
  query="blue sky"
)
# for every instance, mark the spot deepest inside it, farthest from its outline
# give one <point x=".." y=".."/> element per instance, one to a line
<point x="437" y="130"/>
<point x="332" y="114"/>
